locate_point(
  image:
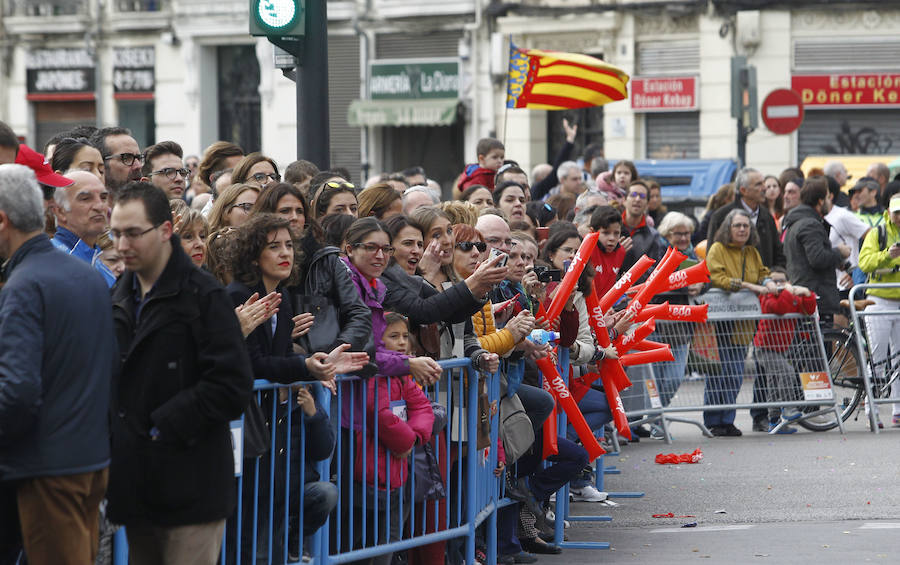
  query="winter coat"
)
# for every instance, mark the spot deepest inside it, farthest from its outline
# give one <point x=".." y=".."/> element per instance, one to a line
<point x="403" y="417"/>
<point x="476" y="174"/>
<point x="272" y="355"/>
<point x="728" y="267"/>
<point x="770" y="249"/>
<point x="325" y="275"/>
<point x="645" y="241"/>
<point x="811" y="261"/>
<point x="876" y="261"/>
<point x="57" y="362"/>
<point x="422" y="304"/>
<point x="778" y="335"/>
<point x="185" y="371"/>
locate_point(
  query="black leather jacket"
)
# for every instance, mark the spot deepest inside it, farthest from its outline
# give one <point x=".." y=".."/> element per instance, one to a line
<point x="326" y="275"/>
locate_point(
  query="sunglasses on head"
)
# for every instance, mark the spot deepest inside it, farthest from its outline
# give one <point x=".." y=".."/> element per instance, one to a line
<point x="466" y="246"/>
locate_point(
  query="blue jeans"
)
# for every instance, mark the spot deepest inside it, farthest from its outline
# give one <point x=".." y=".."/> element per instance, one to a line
<point x="319" y="499"/>
<point x="724" y="389"/>
<point x="595" y="410"/>
<point x="670" y="374"/>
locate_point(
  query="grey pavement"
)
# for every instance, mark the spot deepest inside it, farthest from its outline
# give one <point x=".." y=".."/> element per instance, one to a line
<point x="792" y="499"/>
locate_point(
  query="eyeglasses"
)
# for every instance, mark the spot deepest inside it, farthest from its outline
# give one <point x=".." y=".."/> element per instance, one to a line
<point x="639" y="195"/>
<point x="568" y="250"/>
<point x="131" y="234"/>
<point x="680" y="234"/>
<point x="127" y="159"/>
<point x="261" y="177"/>
<point x="467" y="246"/>
<point x="245" y="206"/>
<point x="374" y="248"/>
<point x="170" y="172"/>
<point x="496" y="241"/>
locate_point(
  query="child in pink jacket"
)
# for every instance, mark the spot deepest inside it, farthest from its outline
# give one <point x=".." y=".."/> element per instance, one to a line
<point x="404" y="418"/>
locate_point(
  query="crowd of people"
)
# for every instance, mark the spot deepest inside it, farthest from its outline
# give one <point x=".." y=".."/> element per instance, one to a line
<point x="190" y="277"/>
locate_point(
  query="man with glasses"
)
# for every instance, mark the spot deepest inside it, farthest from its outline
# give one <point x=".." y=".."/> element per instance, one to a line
<point x="750" y="195"/>
<point x="185" y="374"/>
<point x="640" y="238"/>
<point x="81" y="218"/>
<point x="163" y="168"/>
<point x="122" y="157"/>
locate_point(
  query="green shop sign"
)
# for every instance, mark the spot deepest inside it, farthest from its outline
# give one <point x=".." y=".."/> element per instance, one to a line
<point x="413" y="79"/>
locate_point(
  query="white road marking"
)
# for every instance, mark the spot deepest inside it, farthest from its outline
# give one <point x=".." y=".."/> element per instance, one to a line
<point x="880" y="526"/>
<point x="703" y="529"/>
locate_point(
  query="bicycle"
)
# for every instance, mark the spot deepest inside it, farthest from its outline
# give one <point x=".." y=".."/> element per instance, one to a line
<point x="846" y="369"/>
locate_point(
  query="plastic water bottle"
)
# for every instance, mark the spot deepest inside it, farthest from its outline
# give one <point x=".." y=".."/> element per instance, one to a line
<point x="541" y="337"/>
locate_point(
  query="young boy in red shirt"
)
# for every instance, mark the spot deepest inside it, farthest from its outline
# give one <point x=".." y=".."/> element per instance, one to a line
<point x="773" y="340"/>
<point x="609" y="254"/>
<point x="490" y="153"/>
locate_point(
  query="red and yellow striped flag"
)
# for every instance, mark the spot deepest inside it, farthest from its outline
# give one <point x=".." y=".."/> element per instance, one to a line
<point x="552" y="80"/>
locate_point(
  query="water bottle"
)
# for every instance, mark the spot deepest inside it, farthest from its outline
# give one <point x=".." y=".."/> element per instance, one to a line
<point x="541" y="337"/>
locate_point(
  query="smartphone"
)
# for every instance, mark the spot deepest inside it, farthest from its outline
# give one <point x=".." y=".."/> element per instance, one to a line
<point x="494" y="253"/>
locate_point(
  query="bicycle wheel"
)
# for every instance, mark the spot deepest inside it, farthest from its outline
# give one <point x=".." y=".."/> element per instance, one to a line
<point x="846" y="376"/>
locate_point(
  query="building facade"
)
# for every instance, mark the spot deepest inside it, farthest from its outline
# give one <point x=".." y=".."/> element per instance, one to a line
<point x="418" y="82"/>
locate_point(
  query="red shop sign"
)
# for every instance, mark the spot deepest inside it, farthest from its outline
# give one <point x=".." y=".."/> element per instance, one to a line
<point x="664" y="94"/>
<point x="841" y="90"/>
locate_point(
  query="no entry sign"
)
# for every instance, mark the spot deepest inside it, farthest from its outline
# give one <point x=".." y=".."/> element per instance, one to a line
<point x="782" y="111"/>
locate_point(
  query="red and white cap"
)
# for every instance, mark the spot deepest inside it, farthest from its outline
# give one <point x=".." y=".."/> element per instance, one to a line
<point x="41" y="167"/>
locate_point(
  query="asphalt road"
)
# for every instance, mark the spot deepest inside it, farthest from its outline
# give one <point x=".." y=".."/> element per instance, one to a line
<point x="803" y="498"/>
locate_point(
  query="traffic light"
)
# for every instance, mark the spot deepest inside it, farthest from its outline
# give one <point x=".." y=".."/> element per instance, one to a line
<point x="744" y="103"/>
<point x="282" y="21"/>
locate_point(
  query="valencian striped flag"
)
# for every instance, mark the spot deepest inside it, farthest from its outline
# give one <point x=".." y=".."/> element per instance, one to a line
<point x="552" y="80"/>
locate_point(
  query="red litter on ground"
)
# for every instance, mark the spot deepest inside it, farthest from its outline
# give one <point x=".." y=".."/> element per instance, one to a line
<point x="672" y="515"/>
<point x="674" y="458"/>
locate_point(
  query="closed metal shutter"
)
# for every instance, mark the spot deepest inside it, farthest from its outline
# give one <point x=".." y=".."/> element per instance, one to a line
<point x="667" y="57"/>
<point x="412" y="46"/>
<point x="673" y="135"/>
<point x="851" y="132"/>
<point x="873" y="53"/>
<point x="343" y="87"/>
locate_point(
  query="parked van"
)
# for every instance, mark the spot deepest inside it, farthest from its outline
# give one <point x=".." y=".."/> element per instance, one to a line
<point x="687" y="184"/>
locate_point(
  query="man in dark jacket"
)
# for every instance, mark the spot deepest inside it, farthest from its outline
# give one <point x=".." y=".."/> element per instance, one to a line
<point x="185" y="374"/>
<point x="56" y="365"/>
<point x="811" y="259"/>
<point x="750" y="196"/>
<point x="641" y="239"/>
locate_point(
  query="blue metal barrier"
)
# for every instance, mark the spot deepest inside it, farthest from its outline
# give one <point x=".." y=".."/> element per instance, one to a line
<point x="267" y="526"/>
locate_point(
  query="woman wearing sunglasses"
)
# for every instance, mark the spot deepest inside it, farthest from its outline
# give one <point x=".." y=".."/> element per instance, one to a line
<point x="335" y="197"/>
<point x="232" y="206"/>
<point x="256" y="169"/>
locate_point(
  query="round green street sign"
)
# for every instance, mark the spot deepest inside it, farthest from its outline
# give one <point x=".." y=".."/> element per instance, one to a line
<point x="276" y="14"/>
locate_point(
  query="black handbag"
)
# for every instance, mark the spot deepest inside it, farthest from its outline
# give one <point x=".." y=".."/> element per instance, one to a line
<point x="326" y="327"/>
<point x="256" y="431"/>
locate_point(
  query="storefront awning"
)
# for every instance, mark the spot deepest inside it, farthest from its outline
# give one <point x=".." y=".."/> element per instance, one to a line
<point x="434" y="112"/>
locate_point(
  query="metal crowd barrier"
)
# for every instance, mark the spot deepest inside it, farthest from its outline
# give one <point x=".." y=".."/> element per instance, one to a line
<point x="719" y="367"/>
<point x="267" y="526"/>
<point x="876" y="339"/>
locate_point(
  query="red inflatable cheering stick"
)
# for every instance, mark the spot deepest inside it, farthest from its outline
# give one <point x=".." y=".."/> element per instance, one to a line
<point x="680" y="279"/>
<point x="568" y="283"/>
<point x="564" y="399"/>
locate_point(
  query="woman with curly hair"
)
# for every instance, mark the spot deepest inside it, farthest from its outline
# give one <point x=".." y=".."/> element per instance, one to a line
<point x="262" y="260"/>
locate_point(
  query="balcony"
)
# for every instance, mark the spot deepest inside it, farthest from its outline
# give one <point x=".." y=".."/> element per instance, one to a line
<point x="138" y="15"/>
<point x="46" y="16"/>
